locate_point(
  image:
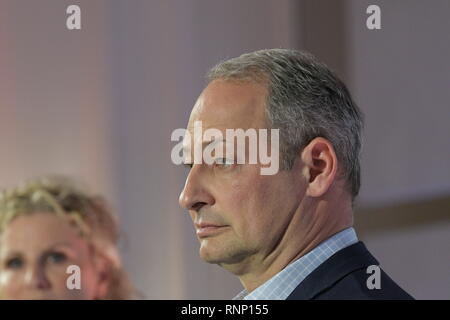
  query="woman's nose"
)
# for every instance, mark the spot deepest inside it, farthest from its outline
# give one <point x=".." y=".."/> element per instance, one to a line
<point x="37" y="278"/>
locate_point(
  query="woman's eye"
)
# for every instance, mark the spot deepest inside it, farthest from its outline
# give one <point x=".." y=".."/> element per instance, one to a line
<point x="57" y="257"/>
<point x="14" y="263"/>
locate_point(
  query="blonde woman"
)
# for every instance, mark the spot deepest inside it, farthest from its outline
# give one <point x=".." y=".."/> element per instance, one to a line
<point x="57" y="242"/>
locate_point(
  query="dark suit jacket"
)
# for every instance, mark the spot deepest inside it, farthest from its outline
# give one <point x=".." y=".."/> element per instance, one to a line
<point x="344" y="276"/>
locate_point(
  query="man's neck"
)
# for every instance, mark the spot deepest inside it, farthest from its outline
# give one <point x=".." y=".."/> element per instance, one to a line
<point x="297" y="241"/>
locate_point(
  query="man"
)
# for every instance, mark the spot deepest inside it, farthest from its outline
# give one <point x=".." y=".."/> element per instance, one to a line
<point x="286" y="235"/>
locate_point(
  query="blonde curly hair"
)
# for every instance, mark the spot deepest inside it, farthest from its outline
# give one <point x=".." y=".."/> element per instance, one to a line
<point x="91" y="214"/>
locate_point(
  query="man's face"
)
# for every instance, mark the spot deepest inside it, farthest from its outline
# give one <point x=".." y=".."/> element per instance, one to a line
<point x="240" y="215"/>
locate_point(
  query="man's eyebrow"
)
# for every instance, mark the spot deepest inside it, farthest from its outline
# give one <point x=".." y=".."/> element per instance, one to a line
<point x="186" y="149"/>
<point x="212" y="141"/>
<point x="204" y="143"/>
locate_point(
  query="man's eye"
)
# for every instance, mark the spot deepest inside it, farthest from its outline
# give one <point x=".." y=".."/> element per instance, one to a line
<point x="14" y="263"/>
<point x="57" y="257"/>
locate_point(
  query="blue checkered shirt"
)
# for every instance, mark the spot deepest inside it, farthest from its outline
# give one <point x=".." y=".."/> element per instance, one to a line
<point x="281" y="285"/>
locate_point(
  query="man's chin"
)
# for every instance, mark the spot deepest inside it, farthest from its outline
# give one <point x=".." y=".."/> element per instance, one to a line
<point x="211" y="252"/>
<point x="217" y="253"/>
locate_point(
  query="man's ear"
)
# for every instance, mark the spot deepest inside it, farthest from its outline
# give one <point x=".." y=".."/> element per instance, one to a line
<point x="320" y="166"/>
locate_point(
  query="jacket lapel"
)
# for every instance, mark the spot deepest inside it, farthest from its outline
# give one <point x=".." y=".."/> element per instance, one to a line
<point x="343" y="262"/>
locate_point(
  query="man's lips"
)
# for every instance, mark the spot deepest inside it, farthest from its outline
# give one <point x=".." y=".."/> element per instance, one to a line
<point x="206" y="229"/>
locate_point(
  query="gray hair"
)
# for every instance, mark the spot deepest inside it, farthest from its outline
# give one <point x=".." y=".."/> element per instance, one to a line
<point x="305" y="100"/>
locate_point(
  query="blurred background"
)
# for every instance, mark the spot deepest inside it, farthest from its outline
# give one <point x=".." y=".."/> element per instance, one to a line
<point x="100" y="104"/>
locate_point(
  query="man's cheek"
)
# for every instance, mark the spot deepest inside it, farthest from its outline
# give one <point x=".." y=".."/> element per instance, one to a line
<point x="192" y="215"/>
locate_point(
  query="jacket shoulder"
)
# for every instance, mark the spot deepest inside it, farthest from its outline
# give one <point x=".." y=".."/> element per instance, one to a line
<point x="344" y="276"/>
<point x="354" y="286"/>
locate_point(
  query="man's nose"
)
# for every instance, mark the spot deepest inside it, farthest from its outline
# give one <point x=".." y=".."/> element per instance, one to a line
<point x="195" y="195"/>
<point x="37" y="279"/>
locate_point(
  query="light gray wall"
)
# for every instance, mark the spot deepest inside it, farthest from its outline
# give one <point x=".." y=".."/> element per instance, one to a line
<point x="401" y="78"/>
<point x="55" y="109"/>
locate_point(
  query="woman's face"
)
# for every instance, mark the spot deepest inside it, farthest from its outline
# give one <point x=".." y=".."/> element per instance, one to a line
<point x="35" y="253"/>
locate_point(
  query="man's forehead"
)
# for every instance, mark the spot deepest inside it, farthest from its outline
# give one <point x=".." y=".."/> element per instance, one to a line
<point x="230" y="104"/>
